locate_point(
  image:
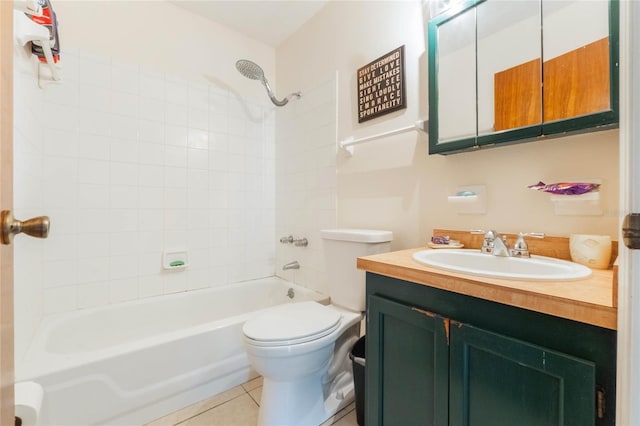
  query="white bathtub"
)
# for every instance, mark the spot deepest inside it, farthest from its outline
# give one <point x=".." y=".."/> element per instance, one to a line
<point x="130" y="363"/>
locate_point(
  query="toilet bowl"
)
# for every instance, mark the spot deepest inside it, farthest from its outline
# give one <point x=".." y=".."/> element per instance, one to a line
<point x="296" y="363"/>
<point x="302" y="349"/>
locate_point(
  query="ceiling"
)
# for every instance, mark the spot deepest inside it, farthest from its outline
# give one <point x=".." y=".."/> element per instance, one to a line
<point x="269" y="21"/>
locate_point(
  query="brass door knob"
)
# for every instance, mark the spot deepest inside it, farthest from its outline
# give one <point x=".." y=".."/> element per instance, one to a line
<point x="36" y="227"/>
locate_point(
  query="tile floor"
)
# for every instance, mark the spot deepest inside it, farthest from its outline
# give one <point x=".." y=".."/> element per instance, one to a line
<point x="237" y="407"/>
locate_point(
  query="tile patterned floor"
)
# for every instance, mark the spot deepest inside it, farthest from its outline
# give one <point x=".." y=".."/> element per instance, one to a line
<point x="237" y="407"/>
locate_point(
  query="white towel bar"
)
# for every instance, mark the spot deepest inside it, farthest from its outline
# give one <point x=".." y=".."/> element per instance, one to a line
<point x="348" y="143"/>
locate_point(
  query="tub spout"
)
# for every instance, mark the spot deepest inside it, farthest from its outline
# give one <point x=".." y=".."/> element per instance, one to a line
<point x="291" y="265"/>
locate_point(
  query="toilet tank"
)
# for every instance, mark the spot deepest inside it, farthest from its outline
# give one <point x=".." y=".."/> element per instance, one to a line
<point x="341" y="249"/>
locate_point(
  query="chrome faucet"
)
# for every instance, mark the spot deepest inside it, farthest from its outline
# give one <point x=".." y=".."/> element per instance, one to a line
<point x="291" y="265"/>
<point x="298" y="242"/>
<point x="496" y="245"/>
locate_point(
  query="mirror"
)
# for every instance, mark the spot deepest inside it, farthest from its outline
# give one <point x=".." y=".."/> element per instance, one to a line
<point x="576" y="58"/>
<point x="504" y="72"/>
<point x="509" y="66"/>
<point x="456" y="68"/>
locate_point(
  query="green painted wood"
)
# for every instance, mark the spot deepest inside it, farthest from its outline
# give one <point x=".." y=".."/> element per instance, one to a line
<point x="593" y="122"/>
<point x="501" y="381"/>
<point x="407" y="366"/>
<point x="587" y="342"/>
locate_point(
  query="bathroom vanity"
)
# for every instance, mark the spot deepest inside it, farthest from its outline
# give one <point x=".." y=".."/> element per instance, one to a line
<point x="447" y="348"/>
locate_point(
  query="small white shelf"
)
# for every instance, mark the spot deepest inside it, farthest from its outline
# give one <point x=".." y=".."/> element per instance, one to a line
<point x="577" y="205"/>
<point x="470" y="204"/>
<point x="588" y="204"/>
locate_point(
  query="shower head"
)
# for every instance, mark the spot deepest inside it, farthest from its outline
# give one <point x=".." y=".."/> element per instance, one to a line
<point x="250" y="69"/>
<point x="253" y="71"/>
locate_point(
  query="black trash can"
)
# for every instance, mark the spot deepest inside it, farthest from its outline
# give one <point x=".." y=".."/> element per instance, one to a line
<point x="357" y="356"/>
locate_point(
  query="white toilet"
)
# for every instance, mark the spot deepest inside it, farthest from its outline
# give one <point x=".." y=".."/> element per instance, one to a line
<point x="302" y="349"/>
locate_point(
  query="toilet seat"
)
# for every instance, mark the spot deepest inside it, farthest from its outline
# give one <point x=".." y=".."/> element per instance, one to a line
<point x="291" y="324"/>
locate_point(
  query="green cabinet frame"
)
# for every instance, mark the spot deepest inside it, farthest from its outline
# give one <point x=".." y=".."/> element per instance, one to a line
<point x="598" y="121"/>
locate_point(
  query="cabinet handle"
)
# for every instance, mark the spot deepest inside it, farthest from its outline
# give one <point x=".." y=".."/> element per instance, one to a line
<point x="600" y="402"/>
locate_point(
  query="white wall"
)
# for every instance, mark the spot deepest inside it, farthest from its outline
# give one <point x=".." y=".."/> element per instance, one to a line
<point x="393" y="183"/>
<point x="153" y="142"/>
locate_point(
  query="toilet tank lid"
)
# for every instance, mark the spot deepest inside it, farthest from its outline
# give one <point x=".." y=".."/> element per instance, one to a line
<point x="357" y="235"/>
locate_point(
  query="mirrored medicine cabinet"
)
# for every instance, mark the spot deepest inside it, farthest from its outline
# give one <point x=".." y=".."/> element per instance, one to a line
<point x="503" y="72"/>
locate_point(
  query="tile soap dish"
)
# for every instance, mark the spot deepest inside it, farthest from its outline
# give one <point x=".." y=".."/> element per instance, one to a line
<point x="175" y="260"/>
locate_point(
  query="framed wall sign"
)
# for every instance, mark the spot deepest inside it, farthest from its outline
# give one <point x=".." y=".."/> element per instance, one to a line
<point x="381" y="88"/>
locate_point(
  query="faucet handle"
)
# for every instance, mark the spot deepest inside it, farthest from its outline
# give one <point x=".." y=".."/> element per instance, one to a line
<point x="520" y="247"/>
<point x="487" y="243"/>
<point x="287" y="240"/>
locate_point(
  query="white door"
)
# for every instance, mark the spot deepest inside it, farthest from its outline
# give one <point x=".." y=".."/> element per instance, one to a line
<point x="628" y="378"/>
<point x="6" y="202"/>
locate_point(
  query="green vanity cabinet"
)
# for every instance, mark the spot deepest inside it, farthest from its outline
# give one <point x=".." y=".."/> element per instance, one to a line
<point x="440" y="358"/>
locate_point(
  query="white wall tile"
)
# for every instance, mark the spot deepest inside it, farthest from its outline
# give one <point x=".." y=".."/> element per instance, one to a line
<point x="125" y="150"/>
<point x="93" y="196"/>
<point x="124" y="127"/>
<point x="124" y="244"/>
<point x="93" y="295"/>
<point x="151" y="109"/>
<point x="174" y="282"/>
<point x="93" y="270"/>
<point x="123" y="196"/>
<point x="95" y="98"/>
<point x="122" y="290"/>
<point x="176" y="92"/>
<point x="150" y="198"/>
<point x="124" y="173"/>
<point x="123" y="220"/>
<point x="151" y="131"/>
<point x="175" y="177"/>
<point x="61" y="143"/>
<point x="151" y="285"/>
<point x="93" y="172"/>
<point x="93" y="244"/>
<point x="152" y="241"/>
<point x="152" y="153"/>
<point x="127" y="167"/>
<point x="175" y="156"/>
<point x="124" y="78"/>
<point x="94" y="70"/>
<point x="123" y="266"/>
<point x="150" y="263"/>
<point x="60" y="273"/>
<point x="61" y="299"/>
<point x="94" y="147"/>
<point x="93" y="122"/>
<point x="151" y="83"/>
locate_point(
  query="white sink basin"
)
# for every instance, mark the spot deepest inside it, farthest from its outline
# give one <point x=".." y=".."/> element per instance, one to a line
<point x="536" y="268"/>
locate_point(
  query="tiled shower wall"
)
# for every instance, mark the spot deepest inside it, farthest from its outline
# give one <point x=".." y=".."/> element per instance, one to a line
<point x="306" y="181"/>
<point x="129" y="162"/>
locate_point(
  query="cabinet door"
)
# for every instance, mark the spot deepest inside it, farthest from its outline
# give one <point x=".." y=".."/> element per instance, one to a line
<point x="407" y="365"/>
<point x="496" y="380"/>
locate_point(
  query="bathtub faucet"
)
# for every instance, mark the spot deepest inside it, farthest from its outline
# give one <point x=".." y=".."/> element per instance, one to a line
<point x="291" y="265"/>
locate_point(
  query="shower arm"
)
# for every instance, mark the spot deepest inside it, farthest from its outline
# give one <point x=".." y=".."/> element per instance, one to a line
<point x="277" y="102"/>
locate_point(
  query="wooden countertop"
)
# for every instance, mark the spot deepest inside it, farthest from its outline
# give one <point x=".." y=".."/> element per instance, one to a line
<point x="589" y="300"/>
